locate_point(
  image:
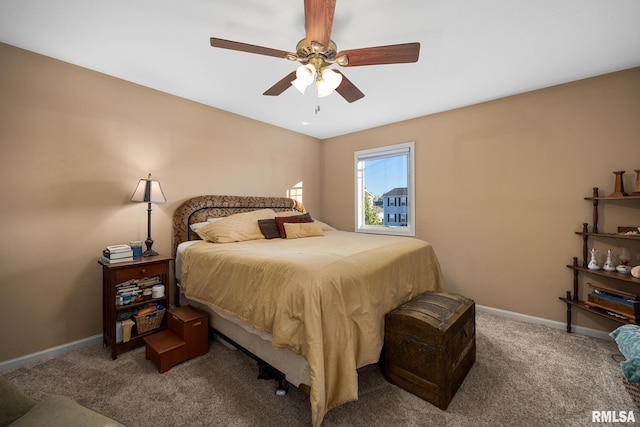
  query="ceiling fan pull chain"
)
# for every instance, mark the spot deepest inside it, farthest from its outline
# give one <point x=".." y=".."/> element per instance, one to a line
<point x="318" y="108"/>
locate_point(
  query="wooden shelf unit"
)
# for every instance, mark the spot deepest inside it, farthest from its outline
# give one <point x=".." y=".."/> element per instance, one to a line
<point x="581" y="267"/>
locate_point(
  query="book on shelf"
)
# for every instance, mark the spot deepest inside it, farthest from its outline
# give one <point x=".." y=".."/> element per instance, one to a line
<point x="117" y="255"/>
<point x="127" y="284"/>
<point x="118" y="248"/>
<point x="149" y="281"/>
<point x="631" y="297"/>
<point x="124" y="285"/>
<point x="623" y="304"/>
<point x="106" y="260"/>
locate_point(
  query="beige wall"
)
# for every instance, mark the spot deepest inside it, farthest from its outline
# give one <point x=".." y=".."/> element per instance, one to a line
<point x="73" y="145"/>
<point x="500" y="187"/>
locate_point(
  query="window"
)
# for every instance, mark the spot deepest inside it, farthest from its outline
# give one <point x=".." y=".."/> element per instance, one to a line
<point x="385" y="197"/>
<point x="295" y="192"/>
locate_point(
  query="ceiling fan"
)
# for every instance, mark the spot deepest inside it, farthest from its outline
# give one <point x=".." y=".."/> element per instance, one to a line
<point x="317" y="52"/>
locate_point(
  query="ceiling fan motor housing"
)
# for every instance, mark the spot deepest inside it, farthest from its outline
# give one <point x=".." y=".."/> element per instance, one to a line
<point x="305" y="52"/>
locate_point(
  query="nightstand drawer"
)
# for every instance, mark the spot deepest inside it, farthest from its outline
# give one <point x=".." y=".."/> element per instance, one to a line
<point x="139" y="271"/>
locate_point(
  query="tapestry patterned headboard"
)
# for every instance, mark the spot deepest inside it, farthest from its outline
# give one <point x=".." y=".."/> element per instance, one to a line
<point x="201" y="208"/>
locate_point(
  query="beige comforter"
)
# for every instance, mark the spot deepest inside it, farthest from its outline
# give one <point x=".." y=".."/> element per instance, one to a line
<point x="322" y="297"/>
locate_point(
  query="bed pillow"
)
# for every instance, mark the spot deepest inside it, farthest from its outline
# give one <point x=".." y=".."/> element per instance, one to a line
<point x="281" y="220"/>
<point x="302" y="229"/>
<point x="236" y="228"/>
<point x="197" y="225"/>
<point x="288" y="213"/>
<point x="628" y="339"/>
<point x="269" y="228"/>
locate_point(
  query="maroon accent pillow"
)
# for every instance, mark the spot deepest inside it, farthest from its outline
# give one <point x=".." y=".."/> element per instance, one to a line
<point x="280" y="220"/>
<point x="269" y="228"/>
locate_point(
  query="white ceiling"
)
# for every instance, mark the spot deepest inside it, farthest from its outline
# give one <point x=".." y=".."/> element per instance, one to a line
<point x="471" y="51"/>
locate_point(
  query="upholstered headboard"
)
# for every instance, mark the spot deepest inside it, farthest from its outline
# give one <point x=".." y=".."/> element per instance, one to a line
<point x="201" y="208"/>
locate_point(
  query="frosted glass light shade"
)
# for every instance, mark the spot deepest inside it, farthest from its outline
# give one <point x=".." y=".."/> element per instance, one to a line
<point x="329" y="82"/>
<point x="305" y="75"/>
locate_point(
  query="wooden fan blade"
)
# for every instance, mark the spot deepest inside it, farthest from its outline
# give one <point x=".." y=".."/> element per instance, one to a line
<point x="282" y="85"/>
<point x="392" y="54"/>
<point x="318" y="20"/>
<point x="348" y="90"/>
<point x="244" y="47"/>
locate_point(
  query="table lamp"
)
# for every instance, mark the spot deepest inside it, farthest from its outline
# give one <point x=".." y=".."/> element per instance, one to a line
<point x="148" y="191"/>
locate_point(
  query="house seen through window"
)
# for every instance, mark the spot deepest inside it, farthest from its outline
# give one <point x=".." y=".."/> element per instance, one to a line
<point x="385" y="190"/>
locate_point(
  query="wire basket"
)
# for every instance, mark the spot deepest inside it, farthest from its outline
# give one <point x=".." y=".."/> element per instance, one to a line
<point x="149" y="322"/>
<point x="633" y="389"/>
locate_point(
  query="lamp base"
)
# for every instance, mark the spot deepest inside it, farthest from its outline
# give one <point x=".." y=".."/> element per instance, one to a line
<point x="149" y="251"/>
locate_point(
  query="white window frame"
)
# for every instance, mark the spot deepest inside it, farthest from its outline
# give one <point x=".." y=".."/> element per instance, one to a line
<point x="378" y="153"/>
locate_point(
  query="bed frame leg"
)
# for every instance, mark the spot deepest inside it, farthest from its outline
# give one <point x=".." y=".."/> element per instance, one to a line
<point x="265" y="372"/>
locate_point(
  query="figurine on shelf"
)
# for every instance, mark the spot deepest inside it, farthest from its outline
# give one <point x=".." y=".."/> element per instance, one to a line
<point x="624" y="258"/>
<point x="593" y="263"/>
<point x="608" y="265"/>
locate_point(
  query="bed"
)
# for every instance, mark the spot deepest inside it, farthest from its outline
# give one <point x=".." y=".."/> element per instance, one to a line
<point x="313" y="306"/>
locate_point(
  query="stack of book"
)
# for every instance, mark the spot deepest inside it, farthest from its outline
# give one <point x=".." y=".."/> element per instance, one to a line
<point x="127" y="292"/>
<point x="135" y="290"/>
<point x="117" y="253"/>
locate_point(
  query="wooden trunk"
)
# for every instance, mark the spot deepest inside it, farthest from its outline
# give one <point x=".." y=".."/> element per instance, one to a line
<point x="430" y="345"/>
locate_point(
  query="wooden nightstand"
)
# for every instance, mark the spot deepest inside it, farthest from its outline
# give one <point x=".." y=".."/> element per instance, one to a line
<point x="132" y="272"/>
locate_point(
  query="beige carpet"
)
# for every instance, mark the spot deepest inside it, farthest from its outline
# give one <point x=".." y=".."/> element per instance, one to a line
<point x="525" y="375"/>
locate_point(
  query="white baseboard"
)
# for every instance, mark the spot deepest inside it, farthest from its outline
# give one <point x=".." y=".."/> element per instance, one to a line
<point x="539" y="320"/>
<point x="48" y="353"/>
<point x="65" y="348"/>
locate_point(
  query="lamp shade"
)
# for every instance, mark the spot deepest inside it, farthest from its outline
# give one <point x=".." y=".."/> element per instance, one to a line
<point x="329" y="82"/>
<point x="148" y="191"/>
<point x="305" y="75"/>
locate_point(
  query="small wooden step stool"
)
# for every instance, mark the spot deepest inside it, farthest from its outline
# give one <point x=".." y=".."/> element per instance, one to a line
<point x="186" y="337"/>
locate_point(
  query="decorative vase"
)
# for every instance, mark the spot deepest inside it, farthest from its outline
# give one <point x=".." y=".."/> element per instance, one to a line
<point x="608" y="265"/>
<point x="619" y="186"/>
<point x="636" y="192"/>
<point x="593" y="263"/>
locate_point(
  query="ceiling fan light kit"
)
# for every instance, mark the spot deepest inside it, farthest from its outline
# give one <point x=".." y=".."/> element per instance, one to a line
<point x="326" y="79"/>
<point x="329" y="82"/>
<point x="317" y="52"/>
<point x="305" y="75"/>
